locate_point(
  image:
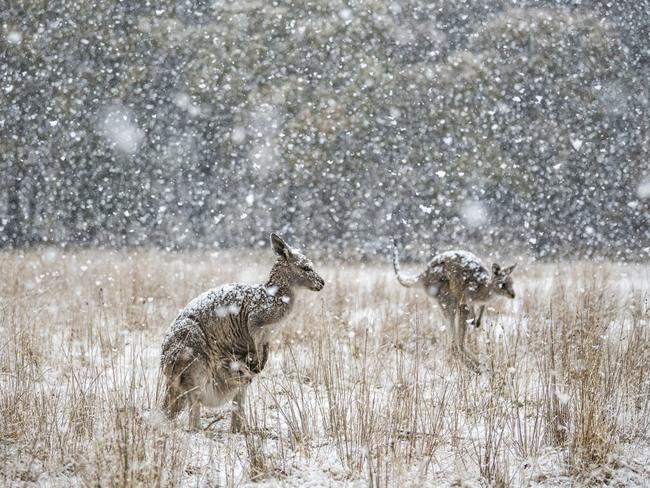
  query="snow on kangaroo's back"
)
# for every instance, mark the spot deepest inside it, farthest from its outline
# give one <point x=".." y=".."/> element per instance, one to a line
<point x="220" y="340"/>
<point x="468" y="279"/>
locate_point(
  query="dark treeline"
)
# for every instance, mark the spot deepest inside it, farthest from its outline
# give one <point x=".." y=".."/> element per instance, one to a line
<point x="518" y="126"/>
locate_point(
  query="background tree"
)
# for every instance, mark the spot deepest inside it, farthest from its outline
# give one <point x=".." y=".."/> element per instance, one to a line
<point x="188" y="124"/>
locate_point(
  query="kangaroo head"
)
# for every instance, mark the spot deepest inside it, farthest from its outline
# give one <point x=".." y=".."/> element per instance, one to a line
<point x="502" y="281"/>
<point x="298" y="269"/>
<point x="239" y="370"/>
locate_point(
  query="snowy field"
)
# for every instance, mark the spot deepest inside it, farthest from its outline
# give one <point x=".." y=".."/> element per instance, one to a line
<point x="359" y="390"/>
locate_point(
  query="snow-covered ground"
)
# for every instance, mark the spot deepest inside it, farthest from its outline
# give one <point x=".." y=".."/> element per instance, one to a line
<point x="360" y="388"/>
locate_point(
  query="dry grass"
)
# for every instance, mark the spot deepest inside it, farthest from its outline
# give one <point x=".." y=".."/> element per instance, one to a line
<point x="359" y="388"/>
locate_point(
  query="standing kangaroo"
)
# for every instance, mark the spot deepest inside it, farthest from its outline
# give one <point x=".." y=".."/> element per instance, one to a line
<point x="458" y="280"/>
<point x="220" y="340"/>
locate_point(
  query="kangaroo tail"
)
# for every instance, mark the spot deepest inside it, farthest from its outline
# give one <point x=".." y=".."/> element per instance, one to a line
<point x="407" y="282"/>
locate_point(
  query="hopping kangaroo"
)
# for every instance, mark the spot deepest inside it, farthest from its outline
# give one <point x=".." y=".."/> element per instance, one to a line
<point x="220" y="340"/>
<point x="459" y="280"/>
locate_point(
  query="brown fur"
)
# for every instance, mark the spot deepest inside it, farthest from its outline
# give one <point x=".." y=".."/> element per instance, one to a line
<point x="220" y="341"/>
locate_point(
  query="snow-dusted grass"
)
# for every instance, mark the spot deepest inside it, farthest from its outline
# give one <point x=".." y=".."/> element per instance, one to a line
<point x="359" y="389"/>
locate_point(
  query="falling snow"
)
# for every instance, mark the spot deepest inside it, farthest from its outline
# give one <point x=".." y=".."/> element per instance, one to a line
<point x="514" y="129"/>
<point x="516" y="124"/>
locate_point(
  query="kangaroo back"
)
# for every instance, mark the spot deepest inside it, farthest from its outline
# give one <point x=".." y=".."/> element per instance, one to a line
<point x="468" y="278"/>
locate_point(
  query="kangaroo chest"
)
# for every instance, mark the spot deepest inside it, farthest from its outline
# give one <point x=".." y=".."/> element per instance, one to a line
<point x="268" y="306"/>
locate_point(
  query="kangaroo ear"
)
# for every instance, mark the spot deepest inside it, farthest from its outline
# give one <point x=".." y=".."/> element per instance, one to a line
<point x="496" y="269"/>
<point x="279" y="246"/>
<point x="509" y="269"/>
